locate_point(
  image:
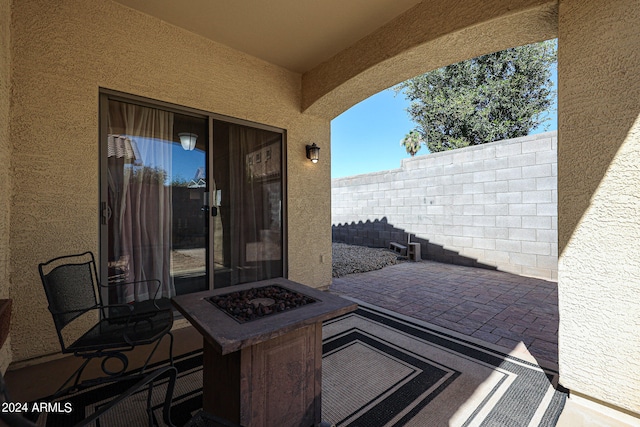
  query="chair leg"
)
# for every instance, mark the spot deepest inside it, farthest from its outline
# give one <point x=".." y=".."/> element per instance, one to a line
<point x="144" y="381"/>
<point x="171" y="385"/>
<point x="170" y="348"/>
<point x="77" y="374"/>
<point x="166" y="407"/>
<point x="156" y="347"/>
<point x="149" y="410"/>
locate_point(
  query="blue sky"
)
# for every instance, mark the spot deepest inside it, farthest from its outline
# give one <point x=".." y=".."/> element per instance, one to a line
<point x="366" y="138"/>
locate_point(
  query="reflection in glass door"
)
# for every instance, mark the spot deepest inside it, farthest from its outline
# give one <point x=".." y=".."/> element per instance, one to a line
<point x="193" y="210"/>
<point x="190" y="212"/>
<point x="154" y="204"/>
<point x="247" y="191"/>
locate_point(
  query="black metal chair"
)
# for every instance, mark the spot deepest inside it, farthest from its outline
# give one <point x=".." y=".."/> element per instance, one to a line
<point x="90" y="329"/>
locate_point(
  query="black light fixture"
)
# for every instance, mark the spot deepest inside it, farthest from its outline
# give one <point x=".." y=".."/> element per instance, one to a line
<point x="313" y="152"/>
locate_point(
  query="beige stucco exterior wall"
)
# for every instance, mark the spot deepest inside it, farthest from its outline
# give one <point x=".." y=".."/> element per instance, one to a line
<point x="598" y="176"/>
<point x="64" y="51"/>
<point x="5" y="162"/>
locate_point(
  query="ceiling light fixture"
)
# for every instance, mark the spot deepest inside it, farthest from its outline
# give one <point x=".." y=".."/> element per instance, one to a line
<point x="188" y="140"/>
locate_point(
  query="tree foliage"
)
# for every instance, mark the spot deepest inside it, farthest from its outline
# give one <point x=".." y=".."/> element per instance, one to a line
<point x="149" y="175"/>
<point x="412" y="142"/>
<point x="492" y="97"/>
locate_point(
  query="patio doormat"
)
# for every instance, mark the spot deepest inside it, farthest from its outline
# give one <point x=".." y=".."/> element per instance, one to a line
<point x="378" y="370"/>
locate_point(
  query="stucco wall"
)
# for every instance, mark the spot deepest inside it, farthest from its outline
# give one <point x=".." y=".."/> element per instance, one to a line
<point x="598" y="211"/>
<point x="5" y="161"/>
<point x="64" y="51"/>
<point x="493" y="205"/>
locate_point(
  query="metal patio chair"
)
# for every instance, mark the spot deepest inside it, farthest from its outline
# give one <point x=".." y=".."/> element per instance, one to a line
<point x="90" y="329"/>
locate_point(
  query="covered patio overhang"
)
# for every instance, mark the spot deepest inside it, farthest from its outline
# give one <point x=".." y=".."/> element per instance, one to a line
<point x="428" y="36"/>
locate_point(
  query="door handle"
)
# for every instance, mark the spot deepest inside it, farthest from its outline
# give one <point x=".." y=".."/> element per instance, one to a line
<point x="106" y="213"/>
<point x="212" y="209"/>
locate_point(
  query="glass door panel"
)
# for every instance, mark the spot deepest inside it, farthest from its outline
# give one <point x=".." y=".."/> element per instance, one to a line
<point x="155" y="215"/>
<point x="190" y="208"/>
<point x="247" y="197"/>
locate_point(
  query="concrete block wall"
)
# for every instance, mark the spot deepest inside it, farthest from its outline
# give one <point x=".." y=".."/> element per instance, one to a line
<point x="493" y="204"/>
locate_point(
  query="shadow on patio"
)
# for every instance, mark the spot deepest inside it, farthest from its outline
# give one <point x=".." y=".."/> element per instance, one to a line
<point x="493" y="306"/>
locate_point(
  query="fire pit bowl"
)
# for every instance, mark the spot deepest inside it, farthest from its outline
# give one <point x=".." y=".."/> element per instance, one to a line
<point x="251" y="304"/>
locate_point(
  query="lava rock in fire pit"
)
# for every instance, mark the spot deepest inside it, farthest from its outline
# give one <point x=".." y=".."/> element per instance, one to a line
<point x="255" y="303"/>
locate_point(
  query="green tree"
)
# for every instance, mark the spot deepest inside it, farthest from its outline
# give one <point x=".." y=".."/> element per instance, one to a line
<point x="412" y="142"/>
<point x="149" y="175"/>
<point x="492" y="97"/>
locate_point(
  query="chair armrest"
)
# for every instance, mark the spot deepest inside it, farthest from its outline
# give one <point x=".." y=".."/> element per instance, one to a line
<point x="137" y="282"/>
<point x="154" y="323"/>
<point x="95" y="307"/>
<point x="121" y="311"/>
<point x="137" y="318"/>
<point x="158" y="304"/>
<point x="79" y="312"/>
<point x="100" y="317"/>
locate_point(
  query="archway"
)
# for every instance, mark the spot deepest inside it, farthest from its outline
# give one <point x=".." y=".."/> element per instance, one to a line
<point x="426" y="37"/>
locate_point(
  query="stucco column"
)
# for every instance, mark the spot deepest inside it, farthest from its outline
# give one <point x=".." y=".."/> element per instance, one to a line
<point x="5" y="161"/>
<point x="599" y="203"/>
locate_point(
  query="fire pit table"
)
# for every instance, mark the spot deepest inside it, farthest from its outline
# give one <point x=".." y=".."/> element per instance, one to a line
<point x="263" y="350"/>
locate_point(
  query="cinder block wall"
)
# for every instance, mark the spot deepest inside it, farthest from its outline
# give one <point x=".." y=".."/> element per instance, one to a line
<point x="493" y="205"/>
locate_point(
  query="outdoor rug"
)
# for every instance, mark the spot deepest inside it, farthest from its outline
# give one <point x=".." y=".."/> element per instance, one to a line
<point x="379" y="369"/>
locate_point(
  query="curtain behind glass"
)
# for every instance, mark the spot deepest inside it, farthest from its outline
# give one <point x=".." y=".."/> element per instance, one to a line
<point x="139" y="198"/>
<point x="248" y="173"/>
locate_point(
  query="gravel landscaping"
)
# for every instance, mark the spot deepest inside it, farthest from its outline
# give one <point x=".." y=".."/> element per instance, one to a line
<point x="348" y="259"/>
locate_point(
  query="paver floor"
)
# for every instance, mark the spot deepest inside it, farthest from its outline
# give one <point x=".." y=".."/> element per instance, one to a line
<point x="493" y="306"/>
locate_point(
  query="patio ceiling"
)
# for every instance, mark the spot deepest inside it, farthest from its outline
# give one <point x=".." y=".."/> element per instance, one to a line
<point x="295" y="34"/>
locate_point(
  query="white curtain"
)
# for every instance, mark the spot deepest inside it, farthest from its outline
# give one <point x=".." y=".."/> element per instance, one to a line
<point x="140" y="197"/>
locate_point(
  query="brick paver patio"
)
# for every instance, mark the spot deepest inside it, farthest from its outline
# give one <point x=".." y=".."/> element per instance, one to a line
<point x="493" y="306"/>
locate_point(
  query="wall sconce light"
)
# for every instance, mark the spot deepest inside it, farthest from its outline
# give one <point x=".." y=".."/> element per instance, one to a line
<point x="313" y="152"/>
<point x="188" y="140"/>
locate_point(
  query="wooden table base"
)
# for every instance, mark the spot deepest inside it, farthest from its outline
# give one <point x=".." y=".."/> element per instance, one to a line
<point x="273" y="383"/>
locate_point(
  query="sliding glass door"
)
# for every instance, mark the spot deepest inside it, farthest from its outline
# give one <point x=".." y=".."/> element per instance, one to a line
<point x="247" y="188"/>
<point x="188" y="199"/>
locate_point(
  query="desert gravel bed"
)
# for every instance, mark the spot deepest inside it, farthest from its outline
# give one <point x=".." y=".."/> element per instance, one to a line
<point x="348" y="259"/>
